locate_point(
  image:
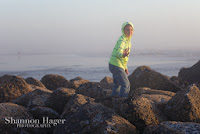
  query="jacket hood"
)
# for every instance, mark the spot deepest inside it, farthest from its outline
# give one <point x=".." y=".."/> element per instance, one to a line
<point x="123" y="26"/>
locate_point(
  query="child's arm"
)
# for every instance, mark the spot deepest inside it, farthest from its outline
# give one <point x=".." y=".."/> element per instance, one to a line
<point x="126" y="52"/>
<point x="126" y="70"/>
<point x="120" y="49"/>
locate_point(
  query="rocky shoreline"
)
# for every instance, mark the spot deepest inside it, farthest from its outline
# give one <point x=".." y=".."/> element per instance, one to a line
<point x="54" y="105"/>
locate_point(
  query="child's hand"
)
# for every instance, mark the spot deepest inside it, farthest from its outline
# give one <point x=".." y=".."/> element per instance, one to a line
<point x="126" y="52"/>
<point x="126" y="70"/>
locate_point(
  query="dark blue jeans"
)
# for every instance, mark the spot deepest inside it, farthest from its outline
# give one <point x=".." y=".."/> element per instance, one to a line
<point x="121" y="83"/>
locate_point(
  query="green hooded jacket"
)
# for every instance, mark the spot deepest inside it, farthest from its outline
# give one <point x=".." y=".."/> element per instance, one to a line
<point x="123" y="43"/>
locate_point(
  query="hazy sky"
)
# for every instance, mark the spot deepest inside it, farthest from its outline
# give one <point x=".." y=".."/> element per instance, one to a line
<point x="88" y="26"/>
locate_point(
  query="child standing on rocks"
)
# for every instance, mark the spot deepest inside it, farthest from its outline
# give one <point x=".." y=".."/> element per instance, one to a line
<point x="118" y="61"/>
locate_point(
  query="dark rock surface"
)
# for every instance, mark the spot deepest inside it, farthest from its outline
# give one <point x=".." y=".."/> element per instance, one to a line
<point x="37" y="97"/>
<point x="76" y="82"/>
<point x="156" y="96"/>
<point x="179" y="82"/>
<point x="185" y="105"/>
<point x="32" y="81"/>
<point x="43" y="114"/>
<point x="107" y="80"/>
<point x="191" y="74"/>
<point x="59" y="98"/>
<point x="9" y="114"/>
<point x="74" y="103"/>
<point x="112" y="102"/>
<point x="95" y="118"/>
<point x="95" y="90"/>
<point x="39" y="112"/>
<point x="75" y="79"/>
<point x="141" y="112"/>
<point x="52" y="81"/>
<point x="145" y="77"/>
<point x="12" y="87"/>
<point x="171" y="127"/>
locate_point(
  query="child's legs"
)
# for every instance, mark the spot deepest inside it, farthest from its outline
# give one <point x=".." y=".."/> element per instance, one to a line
<point x="116" y="87"/>
<point x="125" y="84"/>
<point x="120" y="79"/>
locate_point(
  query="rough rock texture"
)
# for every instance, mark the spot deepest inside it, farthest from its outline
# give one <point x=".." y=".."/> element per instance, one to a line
<point x="40" y="112"/>
<point x="76" y="82"/>
<point x="12" y="87"/>
<point x="34" y="87"/>
<point x="145" y="77"/>
<point x="95" y="90"/>
<point x="191" y="74"/>
<point x="44" y="114"/>
<point x="140" y="112"/>
<point x="75" y="79"/>
<point x="107" y="80"/>
<point x="32" y="81"/>
<point x="37" y="97"/>
<point x="74" y="103"/>
<point x="156" y="96"/>
<point x="112" y="102"/>
<point x="14" y="111"/>
<point x="185" y="105"/>
<point x="179" y="82"/>
<point x="59" y="98"/>
<point x="198" y="85"/>
<point x="171" y="127"/>
<point x="52" y="81"/>
<point x="95" y="118"/>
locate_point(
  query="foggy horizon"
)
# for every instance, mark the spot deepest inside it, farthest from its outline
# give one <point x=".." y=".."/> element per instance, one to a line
<point x="77" y="27"/>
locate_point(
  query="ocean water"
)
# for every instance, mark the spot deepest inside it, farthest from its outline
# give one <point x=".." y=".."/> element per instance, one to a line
<point x="93" y="68"/>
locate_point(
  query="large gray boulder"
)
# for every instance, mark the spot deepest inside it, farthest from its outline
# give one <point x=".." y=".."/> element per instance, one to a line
<point x="112" y="102"/>
<point x="76" y="82"/>
<point x="76" y="101"/>
<point x="32" y="81"/>
<point x="172" y="127"/>
<point x="191" y="74"/>
<point x="35" y="84"/>
<point x="146" y="77"/>
<point x="95" y="118"/>
<point x="185" y="105"/>
<point x="44" y="114"/>
<point x="107" y="80"/>
<point x="38" y="97"/>
<point x="59" y="98"/>
<point x="10" y="115"/>
<point x="12" y="87"/>
<point x="179" y="82"/>
<point x="95" y="90"/>
<point x="39" y="112"/>
<point x="141" y="112"/>
<point x="53" y="81"/>
<point x="156" y="96"/>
